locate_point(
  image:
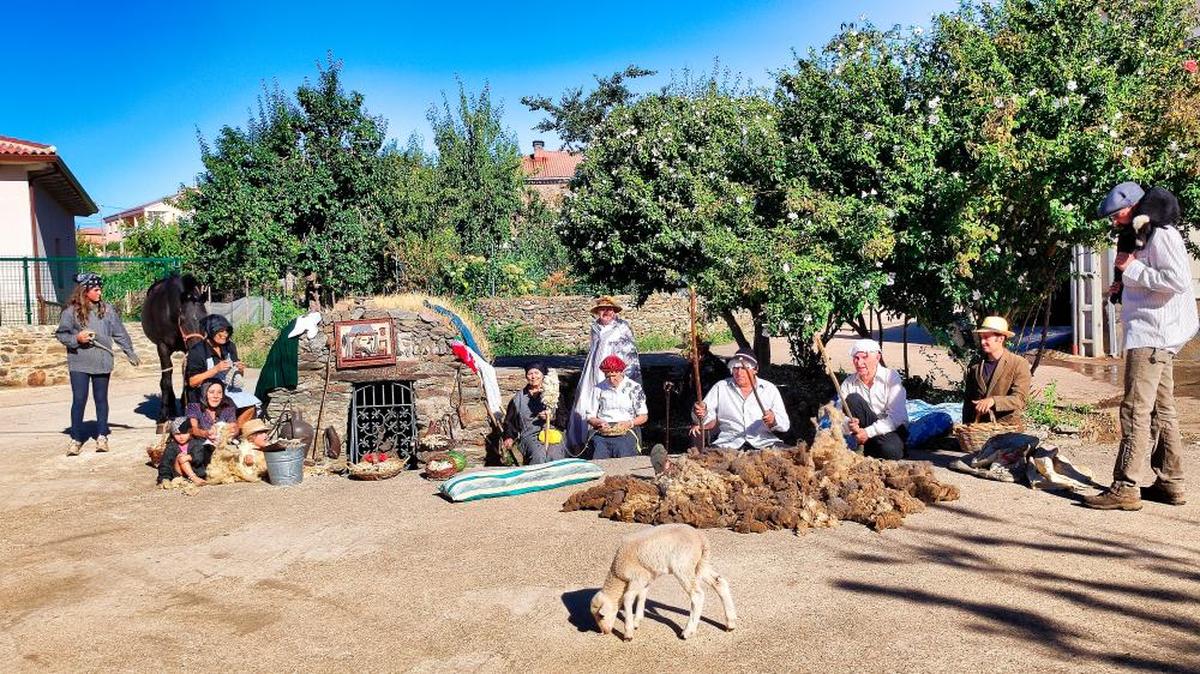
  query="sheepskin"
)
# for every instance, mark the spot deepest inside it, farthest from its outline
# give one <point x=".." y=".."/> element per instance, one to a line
<point x="228" y="463"/>
<point x="764" y="490"/>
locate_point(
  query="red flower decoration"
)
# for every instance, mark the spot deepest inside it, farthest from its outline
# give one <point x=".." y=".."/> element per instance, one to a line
<point x="1190" y="66"/>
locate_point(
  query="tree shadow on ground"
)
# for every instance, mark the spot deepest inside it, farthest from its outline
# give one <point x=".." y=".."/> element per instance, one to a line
<point x="1166" y="623"/>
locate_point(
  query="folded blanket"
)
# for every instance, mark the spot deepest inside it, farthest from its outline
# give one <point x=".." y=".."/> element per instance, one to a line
<point x="512" y="481"/>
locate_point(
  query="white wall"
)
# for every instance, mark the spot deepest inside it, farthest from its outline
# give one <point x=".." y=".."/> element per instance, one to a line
<point x="56" y="229"/>
<point x="15" y="239"/>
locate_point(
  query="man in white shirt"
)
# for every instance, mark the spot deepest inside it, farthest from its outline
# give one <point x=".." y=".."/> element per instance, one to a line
<point x="748" y="411"/>
<point x="1158" y="309"/>
<point x="617" y="406"/>
<point x="876" y="398"/>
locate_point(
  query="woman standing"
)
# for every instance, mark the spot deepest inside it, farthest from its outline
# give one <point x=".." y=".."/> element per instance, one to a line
<point x="217" y="358"/>
<point x="611" y="336"/>
<point x="88" y="327"/>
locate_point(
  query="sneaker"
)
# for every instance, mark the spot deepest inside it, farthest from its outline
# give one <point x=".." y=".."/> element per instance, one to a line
<point x="1115" y="498"/>
<point x="74" y="448"/>
<point x="102" y="443"/>
<point x="1161" y="493"/>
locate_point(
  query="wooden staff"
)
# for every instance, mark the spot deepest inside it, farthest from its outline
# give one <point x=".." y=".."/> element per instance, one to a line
<point x="696" y="358"/>
<point x="820" y="346"/>
<point x="321" y="409"/>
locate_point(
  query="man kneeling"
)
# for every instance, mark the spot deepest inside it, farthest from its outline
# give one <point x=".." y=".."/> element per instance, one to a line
<point x="876" y="398"/>
<point x="748" y="411"/>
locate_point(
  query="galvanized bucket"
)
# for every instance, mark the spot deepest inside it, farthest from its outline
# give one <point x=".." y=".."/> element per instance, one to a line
<point x="285" y="466"/>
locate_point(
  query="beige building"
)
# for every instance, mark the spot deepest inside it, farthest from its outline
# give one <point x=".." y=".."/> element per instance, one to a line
<point x="39" y="200"/>
<point x="115" y="226"/>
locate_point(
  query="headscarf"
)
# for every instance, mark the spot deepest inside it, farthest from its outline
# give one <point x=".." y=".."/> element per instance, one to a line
<point x="612" y="364"/>
<point x="204" y="391"/>
<point x="743" y="358"/>
<point x="89" y="279"/>
<point x="181" y="425"/>
<point x="865" y="346"/>
<point x="536" y="365"/>
<point x="214" y="323"/>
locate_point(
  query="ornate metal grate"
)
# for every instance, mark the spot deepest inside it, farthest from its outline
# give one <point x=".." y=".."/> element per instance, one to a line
<point x="383" y="418"/>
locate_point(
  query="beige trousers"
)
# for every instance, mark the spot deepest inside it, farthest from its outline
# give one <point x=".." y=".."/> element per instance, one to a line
<point x="1149" y="423"/>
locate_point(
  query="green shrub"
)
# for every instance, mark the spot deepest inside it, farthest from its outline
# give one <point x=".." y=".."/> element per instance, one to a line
<point x="283" y="310"/>
<point x="516" y="339"/>
<point x="253" y="341"/>
<point x="657" y="341"/>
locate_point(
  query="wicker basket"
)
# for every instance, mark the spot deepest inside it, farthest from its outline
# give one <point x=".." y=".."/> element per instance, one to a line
<point x="972" y="437"/>
<point x="376" y="471"/>
<point x="443" y="474"/>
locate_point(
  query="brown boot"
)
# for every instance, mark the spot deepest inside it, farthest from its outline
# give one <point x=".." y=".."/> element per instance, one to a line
<point x="1115" y="498"/>
<point x="1161" y="493"/>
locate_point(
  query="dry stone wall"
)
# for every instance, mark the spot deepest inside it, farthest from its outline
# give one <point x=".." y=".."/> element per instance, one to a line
<point x="30" y="355"/>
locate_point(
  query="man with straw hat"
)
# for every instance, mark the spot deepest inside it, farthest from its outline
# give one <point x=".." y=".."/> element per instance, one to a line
<point x="998" y="383"/>
<point x="611" y="336"/>
<point x="876" y="399"/>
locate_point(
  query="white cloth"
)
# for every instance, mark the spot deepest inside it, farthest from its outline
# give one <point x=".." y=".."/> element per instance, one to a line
<point x="616" y="338"/>
<point x="1158" y="303"/>
<point x="865" y="346"/>
<point x="491" y="388"/>
<point x="740" y="419"/>
<point x="885" y="396"/>
<point x="232" y="380"/>
<point x="616" y="404"/>
<point x="308" y="325"/>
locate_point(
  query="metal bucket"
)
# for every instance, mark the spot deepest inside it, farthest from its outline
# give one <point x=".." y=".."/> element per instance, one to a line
<point x="285" y="466"/>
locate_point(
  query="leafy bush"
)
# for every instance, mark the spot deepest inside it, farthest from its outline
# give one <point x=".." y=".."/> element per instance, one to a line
<point x="657" y="341"/>
<point x="283" y="310"/>
<point x="1044" y="409"/>
<point x="253" y="342"/>
<point x="516" y="339"/>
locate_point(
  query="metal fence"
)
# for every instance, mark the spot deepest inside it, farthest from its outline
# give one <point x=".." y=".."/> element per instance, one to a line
<point x="33" y="290"/>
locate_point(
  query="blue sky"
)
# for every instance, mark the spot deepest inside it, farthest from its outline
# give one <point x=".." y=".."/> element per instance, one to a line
<point x="121" y="88"/>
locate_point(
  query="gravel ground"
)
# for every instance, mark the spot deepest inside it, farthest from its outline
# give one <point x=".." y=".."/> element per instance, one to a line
<point x="100" y="571"/>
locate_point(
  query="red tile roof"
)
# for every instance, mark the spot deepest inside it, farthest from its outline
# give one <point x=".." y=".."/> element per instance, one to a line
<point x="550" y="165"/>
<point x="25" y="148"/>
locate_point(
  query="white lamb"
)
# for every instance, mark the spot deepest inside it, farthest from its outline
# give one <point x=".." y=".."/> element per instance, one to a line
<point x="643" y="556"/>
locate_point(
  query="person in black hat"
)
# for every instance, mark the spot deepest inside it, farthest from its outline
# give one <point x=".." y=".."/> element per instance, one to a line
<point x="1158" y="312"/>
<point x="747" y="411"/>
<point x="88" y="327"/>
<point x="216" y="357"/>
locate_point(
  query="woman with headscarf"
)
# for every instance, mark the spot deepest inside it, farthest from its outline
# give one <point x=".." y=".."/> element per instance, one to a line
<point x="212" y="406"/>
<point x="616" y="410"/>
<point x="528" y="422"/>
<point x="611" y="336"/>
<point x="88" y="327"/>
<point x="216" y="358"/>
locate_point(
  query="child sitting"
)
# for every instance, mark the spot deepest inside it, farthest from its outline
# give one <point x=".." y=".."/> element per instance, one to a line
<point x="185" y="456"/>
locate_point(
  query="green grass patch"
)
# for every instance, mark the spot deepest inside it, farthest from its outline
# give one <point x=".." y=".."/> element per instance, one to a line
<point x="1045" y="409"/>
<point x="517" y="339"/>
<point x="657" y="341"/>
<point x="254" y="342"/>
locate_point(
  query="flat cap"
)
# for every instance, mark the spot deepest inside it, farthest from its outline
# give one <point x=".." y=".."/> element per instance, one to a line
<point x="1122" y="196"/>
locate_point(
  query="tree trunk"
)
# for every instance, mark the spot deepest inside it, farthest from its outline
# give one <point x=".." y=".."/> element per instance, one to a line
<point x="762" y="341"/>
<point x="860" y="326"/>
<point x="1037" y="360"/>
<point x="738" y="335"/>
<point x="904" y="335"/>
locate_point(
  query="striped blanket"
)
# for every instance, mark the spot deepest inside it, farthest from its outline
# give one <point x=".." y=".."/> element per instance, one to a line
<point x="513" y="481"/>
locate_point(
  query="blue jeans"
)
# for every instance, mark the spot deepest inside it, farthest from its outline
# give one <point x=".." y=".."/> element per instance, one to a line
<point x="79" y="396"/>
<point x="604" y="447"/>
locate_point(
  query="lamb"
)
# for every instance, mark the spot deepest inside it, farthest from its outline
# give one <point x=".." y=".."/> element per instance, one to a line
<point x="645" y="555"/>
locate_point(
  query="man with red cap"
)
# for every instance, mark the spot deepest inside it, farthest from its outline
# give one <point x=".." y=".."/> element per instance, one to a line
<point x="616" y="408"/>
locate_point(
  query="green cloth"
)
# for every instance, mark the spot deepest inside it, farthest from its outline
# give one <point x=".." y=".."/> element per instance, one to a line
<point x="282" y="367"/>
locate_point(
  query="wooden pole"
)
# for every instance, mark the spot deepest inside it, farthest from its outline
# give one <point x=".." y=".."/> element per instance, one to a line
<point x="696" y="357"/>
<point x="829" y="371"/>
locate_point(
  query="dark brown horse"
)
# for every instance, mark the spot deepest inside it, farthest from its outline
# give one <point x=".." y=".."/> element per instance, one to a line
<point x="171" y="319"/>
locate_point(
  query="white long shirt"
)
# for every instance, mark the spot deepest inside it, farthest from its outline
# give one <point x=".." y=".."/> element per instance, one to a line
<point x="614" y="405"/>
<point x="886" y="397"/>
<point x="1158" y="304"/>
<point x="739" y="419"/>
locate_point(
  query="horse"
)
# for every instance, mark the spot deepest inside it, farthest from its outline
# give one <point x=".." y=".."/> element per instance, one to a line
<point x="171" y="319"/>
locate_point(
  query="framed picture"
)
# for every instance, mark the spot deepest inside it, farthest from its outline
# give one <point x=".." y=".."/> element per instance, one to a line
<point x="364" y="343"/>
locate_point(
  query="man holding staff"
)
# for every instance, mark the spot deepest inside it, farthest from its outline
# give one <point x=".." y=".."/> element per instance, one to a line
<point x="748" y="410"/>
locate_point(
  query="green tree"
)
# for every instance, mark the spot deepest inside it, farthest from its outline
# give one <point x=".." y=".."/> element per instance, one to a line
<point x="576" y="116"/>
<point x="477" y="172"/>
<point x="300" y="188"/>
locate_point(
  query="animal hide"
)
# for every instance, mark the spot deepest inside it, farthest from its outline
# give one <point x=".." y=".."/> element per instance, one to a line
<point x="233" y="461"/>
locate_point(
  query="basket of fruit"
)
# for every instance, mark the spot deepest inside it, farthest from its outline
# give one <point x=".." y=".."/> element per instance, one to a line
<point x="376" y="466"/>
<point x="444" y="465"/>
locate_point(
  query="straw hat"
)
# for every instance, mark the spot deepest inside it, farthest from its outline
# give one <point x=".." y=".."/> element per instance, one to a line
<point x="994" y="324"/>
<point x="254" y="426"/>
<point x="605" y="302"/>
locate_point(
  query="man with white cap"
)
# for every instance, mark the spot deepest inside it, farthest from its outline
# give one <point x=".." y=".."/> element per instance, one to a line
<point x="748" y="410"/>
<point x="1158" y="311"/>
<point x="876" y="398"/>
<point x="998" y="383"/>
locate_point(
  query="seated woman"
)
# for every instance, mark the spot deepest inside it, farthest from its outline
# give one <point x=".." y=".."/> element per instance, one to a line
<point x="185" y="456"/>
<point x="216" y="357"/>
<point x="209" y="407"/>
<point x="527" y="416"/>
<point x="617" y="407"/>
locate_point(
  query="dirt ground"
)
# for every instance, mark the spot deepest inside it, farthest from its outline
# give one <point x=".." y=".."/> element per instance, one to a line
<point x="100" y="571"/>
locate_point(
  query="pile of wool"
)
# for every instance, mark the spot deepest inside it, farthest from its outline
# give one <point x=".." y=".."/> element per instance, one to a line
<point x="233" y="461"/>
<point x="752" y="492"/>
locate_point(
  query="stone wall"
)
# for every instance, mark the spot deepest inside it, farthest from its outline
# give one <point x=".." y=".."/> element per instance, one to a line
<point x="30" y="355"/>
<point x="567" y="319"/>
